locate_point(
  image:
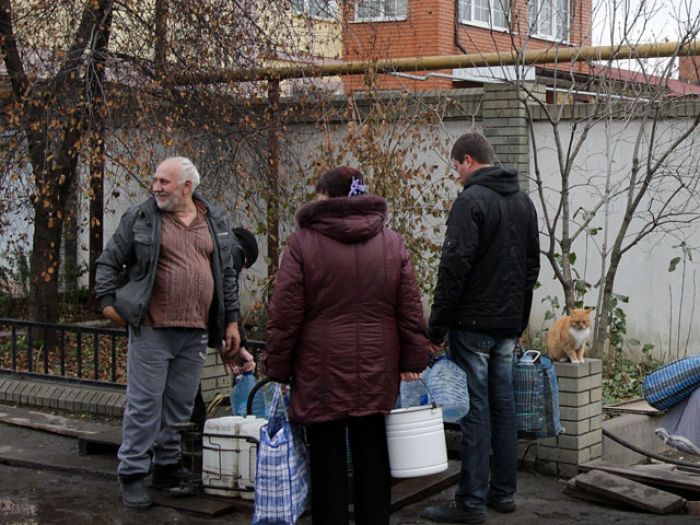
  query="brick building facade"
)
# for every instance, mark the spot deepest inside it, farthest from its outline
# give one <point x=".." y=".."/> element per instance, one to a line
<point x="377" y="29"/>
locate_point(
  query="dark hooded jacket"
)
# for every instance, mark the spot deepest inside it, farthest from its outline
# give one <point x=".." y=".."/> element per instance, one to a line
<point x="490" y="259"/>
<point x="345" y="317"/>
<point x="126" y="268"/>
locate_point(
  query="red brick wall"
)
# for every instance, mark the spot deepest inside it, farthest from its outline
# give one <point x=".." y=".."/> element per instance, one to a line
<point x="429" y="31"/>
<point x="689" y="69"/>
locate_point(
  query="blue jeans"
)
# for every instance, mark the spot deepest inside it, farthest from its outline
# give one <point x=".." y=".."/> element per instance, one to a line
<point x="489" y="430"/>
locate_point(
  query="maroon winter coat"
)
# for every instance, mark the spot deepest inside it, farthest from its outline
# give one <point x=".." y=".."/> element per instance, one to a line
<point x="345" y="317"/>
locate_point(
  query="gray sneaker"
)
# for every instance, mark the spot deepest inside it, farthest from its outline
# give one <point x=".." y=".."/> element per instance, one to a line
<point x="135" y="495"/>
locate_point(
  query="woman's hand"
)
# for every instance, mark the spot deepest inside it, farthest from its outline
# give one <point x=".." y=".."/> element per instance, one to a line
<point x="410" y="376"/>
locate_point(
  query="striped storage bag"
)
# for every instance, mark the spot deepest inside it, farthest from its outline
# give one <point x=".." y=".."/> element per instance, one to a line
<point x="536" y="395"/>
<point x="282" y="477"/>
<point x="672" y="383"/>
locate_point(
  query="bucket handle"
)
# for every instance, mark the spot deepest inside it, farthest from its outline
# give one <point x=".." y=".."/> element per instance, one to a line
<point x="251" y="395"/>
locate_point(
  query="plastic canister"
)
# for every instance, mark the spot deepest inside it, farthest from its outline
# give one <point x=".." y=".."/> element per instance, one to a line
<point x="249" y="428"/>
<point x="416" y="441"/>
<point x="413" y="394"/>
<point x="220" y="455"/>
<point x="529" y="357"/>
<point x="447" y="384"/>
<point x="239" y="395"/>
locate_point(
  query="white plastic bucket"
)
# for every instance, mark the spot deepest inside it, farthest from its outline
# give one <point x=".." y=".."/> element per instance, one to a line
<point x="416" y="441"/>
<point x="220" y="456"/>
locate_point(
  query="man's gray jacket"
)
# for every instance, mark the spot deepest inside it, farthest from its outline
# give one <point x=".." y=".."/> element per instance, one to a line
<point x="126" y="269"/>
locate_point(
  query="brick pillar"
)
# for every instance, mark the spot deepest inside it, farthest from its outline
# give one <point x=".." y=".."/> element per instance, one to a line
<point x="581" y="407"/>
<point x="505" y="125"/>
<point x="214" y="377"/>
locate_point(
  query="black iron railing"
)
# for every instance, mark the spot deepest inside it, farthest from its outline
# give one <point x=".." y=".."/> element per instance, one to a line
<point x="70" y="352"/>
<point x="63" y="351"/>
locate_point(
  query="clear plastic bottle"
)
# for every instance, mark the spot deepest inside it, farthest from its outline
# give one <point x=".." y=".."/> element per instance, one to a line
<point x="239" y="396"/>
<point x="413" y="394"/>
<point x="448" y="386"/>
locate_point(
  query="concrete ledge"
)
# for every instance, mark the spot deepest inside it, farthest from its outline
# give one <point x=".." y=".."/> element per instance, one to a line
<point x="636" y="429"/>
<point x="71" y="397"/>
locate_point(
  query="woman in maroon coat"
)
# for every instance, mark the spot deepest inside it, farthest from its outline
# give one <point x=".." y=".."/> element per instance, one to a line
<point x="345" y="325"/>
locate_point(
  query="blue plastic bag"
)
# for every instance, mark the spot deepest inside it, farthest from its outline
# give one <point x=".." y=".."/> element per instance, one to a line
<point x="536" y="396"/>
<point x="672" y="383"/>
<point x="447" y="384"/>
<point x="282" y="477"/>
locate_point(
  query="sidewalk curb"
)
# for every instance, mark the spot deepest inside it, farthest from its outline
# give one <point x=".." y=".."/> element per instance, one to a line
<point x="71" y="397"/>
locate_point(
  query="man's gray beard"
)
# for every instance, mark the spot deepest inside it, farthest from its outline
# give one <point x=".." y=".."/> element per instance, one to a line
<point x="165" y="206"/>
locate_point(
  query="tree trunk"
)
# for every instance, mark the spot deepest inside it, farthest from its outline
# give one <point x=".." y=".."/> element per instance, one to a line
<point x="71" y="234"/>
<point x="45" y="260"/>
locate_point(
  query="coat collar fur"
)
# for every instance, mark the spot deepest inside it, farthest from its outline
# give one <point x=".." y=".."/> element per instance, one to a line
<point x="347" y="219"/>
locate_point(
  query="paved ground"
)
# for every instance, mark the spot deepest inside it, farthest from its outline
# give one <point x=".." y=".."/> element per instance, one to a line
<point x="87" y="493"/>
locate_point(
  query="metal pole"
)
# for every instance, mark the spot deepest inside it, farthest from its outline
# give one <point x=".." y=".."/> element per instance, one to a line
<point x="539" y="56"/>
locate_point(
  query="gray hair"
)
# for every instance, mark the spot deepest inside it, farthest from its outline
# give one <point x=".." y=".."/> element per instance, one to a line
<point x="188" y="171"/>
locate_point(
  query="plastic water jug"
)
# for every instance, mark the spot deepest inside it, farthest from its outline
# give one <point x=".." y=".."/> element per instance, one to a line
<point x="247" y="459"/>
<point x="447" y="384"/>
<point x="529" y="357"/>
<point x="220" y="456"/>
<point x="239" y="396"/>
<point x="413" y="394"/>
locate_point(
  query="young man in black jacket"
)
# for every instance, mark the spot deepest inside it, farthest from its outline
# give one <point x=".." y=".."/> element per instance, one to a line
<point x="488" y="269"/>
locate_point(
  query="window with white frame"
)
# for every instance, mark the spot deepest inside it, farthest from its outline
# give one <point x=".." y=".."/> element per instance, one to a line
<point x="316" y="8"/>
<point x="550" y="18"/>
<point x="368" y="10"/>
<point x="492" y="13"/>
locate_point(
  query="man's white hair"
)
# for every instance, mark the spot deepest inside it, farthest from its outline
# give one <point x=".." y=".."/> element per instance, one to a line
<point x="188" y="171"/>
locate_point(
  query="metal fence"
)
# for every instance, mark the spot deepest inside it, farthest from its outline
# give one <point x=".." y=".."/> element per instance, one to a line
<point x="62" y="351"/>
<point x="68" y="352"/>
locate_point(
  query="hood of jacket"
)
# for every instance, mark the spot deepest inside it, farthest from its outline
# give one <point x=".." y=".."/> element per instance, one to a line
<point x="347" y="219"/>
<point x="501" y="180"/>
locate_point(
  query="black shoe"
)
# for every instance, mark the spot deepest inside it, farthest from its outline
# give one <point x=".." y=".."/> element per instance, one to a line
<point x="453" y="512"/>
<point x="502" y="505"/>
<point x="135" y="494"/>
<point x="169" y="476"/>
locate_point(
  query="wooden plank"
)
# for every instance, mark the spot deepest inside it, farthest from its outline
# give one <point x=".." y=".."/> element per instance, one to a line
<point x="677" y="482"/>
<point x="412" y="490"/>
<point x="633" y="406"/>
<point x="53" y="423"/>
<point x="575" y="492"/>
<point x="201" y="504"/>
<point x="631" y="492"/>
<point x="102" y="443"/>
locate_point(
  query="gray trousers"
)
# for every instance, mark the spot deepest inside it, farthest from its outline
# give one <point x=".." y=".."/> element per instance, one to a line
<point x="163" y="371"/>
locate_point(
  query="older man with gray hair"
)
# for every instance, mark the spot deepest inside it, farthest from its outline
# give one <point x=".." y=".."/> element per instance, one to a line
<point x="167" y="273"/>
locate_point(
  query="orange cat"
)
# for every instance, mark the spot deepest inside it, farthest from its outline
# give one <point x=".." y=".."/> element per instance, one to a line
<point x="568" y="335"/>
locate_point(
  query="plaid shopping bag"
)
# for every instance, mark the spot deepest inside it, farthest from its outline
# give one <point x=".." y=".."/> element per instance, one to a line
<point x="282" y="478"/>
<point x="672" y="383"/>
<point x="536" y="397"/>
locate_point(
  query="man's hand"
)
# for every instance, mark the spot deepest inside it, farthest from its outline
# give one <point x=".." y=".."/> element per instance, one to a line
<point x="232" y="341"/>
<point x="242" y="362"/>
<point x="117" y="320"/>
<point x="410" y="376"/>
